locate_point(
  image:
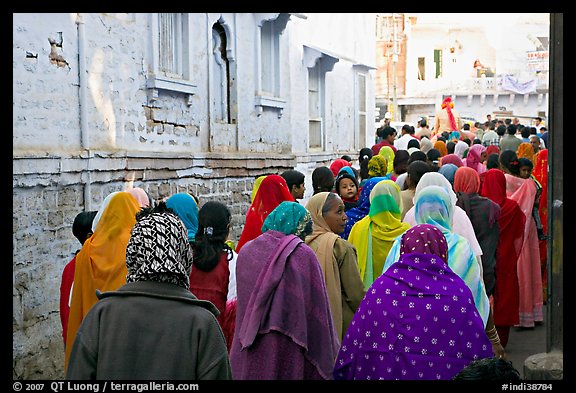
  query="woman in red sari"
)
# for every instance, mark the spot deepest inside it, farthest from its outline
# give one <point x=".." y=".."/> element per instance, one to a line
<point x="272" y="191"/>
<point x="511" y="226"/>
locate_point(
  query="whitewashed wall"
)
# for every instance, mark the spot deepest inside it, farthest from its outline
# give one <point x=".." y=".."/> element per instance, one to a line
<point x="164" y="145"/>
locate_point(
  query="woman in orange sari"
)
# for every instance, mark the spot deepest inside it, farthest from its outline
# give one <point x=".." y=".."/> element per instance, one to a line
<point x="540" y="172"/>
<point x="101" y="263"/>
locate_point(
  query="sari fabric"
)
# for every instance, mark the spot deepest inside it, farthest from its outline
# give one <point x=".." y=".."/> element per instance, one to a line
<point x="472" y="159"/>
<point x="452" y="159"/>
<point x="338" y="260"/>
<point x="483" y="214"/>
<point x="417" y="321"/>
<point x="373" y="235"/>
<point x="461" y="224"/>
<point x="185" y="207"/>
<point x="433" y="206"/>
<point x="140" y="195"/>
<point x="441" y="147"/>
<point x="257" y="183"/>
<point x="272" y="191"/>
<point x="540" y="173"/>
<point x="388" y="154"/>
<point x="511" y="234"/>
<point x="377" y="166"/>
<point x="284" y="325"/>
<point x="362" y="206"/>
<point x="523" y="191"/>
<point x="101" y="263"/>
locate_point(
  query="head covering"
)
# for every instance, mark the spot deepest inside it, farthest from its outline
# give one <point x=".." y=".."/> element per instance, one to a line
<point x="140" y="196"/>
<point x="256" y="186"/>
<point x="388" y="154"/>
<point x="101" y="263"/>
<point x="185" y="207"/>
<point x="373" y="235"/>
<point x="425" y="144"/>
<point x="337" y="164"/>
<point x="435" y="179"/>
<point x="417" y="321"/>
<point x="526" y="150"/>
<point x="454" y="135"/>
<point x="424" y="239"/>
<point x="290" y="218"/>
<point x="452" y="159"/>
<point x="473" y="158"/>
<point x="272" y="191"/>
<point x="348" y="170"/>
<point x="467" y="180"/>
<point x="449" y="105"/>
<point x="147" y="261"/>
<point x="441" y="147"/>
<point x="492" y="149"/>
<point x="460" y="148"/>
<point x="377" y="166"/>
<point x="448" y="170"/>
<point x="103" y="206"/>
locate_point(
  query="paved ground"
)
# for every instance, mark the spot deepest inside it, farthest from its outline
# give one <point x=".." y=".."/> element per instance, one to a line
<point x="525" y="343"/>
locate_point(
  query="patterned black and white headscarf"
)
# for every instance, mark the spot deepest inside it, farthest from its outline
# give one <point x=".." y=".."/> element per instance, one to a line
<point x="158" y="250"/>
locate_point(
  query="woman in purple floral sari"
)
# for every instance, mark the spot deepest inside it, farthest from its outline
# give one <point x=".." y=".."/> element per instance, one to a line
<point x="417" y="321"/>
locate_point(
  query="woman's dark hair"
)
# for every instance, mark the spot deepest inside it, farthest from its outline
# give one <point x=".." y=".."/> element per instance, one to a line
<point x="363" y="157"/>
<point x="492" y="161"/>
<point x="489" y="369"/>
<point x="400" y="162"/>
<point x="415" y="171"/>
<point x="346" y="157"/>
<point x="450" y="146"/>
<point x="413" y="143"/>
<point x="322" y="179"/>
<point x="213" y="230"/>
<point x="509" y="160"/>
<point x="417" y="156"/>
<point x="433" y="156"/>
<point x="293" y="178"/>
<point x="523" y="161"/>
<point x="82" y="225"/>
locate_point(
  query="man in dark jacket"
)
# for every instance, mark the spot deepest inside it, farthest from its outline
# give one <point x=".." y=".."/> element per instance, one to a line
<point x="153" y="327"/>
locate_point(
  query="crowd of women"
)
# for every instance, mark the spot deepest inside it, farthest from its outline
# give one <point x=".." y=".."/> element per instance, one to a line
<point x="412" y="262"/>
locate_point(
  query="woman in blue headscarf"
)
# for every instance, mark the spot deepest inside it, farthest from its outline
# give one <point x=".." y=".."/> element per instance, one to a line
<point x="185" y="207"/>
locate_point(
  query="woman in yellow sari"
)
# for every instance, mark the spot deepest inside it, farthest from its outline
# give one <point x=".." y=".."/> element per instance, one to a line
<point x="101" y="263"/>
<point x="374" y="234"/>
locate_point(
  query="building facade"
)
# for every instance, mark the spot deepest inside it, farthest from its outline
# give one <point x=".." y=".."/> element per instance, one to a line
<point x="199" y="103"/>
<point x="488" y="63"/>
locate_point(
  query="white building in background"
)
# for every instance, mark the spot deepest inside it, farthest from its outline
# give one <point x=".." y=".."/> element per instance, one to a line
<point x="437" y="55"/>
<point x="199" y="103"/>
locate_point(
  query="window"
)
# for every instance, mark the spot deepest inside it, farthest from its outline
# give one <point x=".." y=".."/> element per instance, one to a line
<point x="268" y="78"/>
<point x="438" y="62"/>
<point x="270" y="57"/>
<point x="361" y="111"/>
<point x="314" y="107"/>
<point x="170" y="61"/>
<point x="421" y="68"/>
